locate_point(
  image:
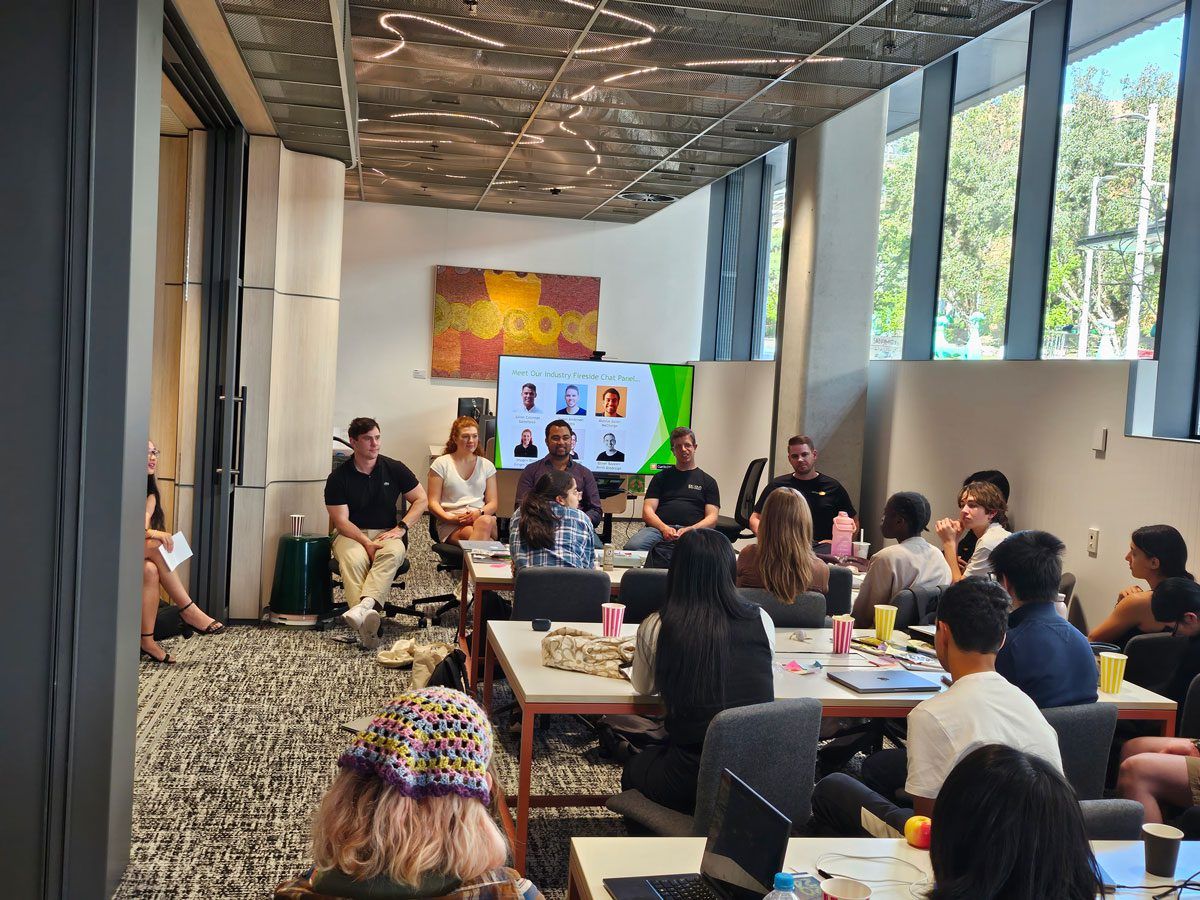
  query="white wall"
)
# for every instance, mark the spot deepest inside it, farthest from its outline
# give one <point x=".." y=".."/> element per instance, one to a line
<point x="932" y="423"/>
<point x="651" y="299"/>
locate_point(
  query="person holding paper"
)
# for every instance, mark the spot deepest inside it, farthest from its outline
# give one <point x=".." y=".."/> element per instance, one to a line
<point x="157" y="575"/>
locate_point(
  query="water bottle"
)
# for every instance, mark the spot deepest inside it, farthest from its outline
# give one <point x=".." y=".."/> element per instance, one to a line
<point x="842" y="542"/>
<point x="785" y="887"/>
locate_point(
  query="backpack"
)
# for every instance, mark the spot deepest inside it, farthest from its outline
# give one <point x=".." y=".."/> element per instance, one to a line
<point x="168" y="623"/>
<point x="451" y="672"/>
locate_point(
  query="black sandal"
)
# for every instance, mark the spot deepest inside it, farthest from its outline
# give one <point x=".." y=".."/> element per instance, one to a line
<point x="214" y="627"/>
<point x="166" y="659"/>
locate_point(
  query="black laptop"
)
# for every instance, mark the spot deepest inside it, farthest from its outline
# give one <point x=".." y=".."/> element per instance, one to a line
<point x="747" y="842"/>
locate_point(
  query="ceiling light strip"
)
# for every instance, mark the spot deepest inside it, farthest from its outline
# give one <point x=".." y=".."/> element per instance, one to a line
<point x="727" y="117"/>
<point x="545" y="96"/>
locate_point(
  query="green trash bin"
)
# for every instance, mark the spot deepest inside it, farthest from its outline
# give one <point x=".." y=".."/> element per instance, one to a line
<point x="302" y="591"/>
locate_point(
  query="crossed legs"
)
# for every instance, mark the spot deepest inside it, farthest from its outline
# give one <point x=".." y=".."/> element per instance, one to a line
<point x="156" y="576"/>
<point x="1157" y="771"/>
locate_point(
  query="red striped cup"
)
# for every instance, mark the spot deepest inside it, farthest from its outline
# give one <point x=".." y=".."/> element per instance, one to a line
<point x="612" y="615"/>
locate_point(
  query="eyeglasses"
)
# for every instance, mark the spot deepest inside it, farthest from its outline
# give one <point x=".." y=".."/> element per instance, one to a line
<point x="155" y="453"/>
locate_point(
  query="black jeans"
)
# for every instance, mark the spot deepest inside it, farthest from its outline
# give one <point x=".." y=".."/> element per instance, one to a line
<point x="845" y="807"/>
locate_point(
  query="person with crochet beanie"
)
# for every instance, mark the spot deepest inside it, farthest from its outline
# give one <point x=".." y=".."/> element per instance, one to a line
<point x="407" y="816"/>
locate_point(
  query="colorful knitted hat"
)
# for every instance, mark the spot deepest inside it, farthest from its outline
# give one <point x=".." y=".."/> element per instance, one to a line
<point x="427" y="743"/>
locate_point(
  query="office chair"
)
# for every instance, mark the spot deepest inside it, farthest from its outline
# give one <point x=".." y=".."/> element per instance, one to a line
<point x="738" y="527"/>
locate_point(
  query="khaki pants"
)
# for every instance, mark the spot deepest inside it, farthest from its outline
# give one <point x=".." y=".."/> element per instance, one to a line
<point x="362" y="578"/>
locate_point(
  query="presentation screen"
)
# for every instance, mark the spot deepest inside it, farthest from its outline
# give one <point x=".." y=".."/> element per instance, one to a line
<point x="622" y="413"/>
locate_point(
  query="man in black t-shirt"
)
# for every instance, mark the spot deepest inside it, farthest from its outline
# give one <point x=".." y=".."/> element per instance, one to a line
<point x="361" y="496"/>
<point x="678" y="499"/>
<point x="825" y="495"/>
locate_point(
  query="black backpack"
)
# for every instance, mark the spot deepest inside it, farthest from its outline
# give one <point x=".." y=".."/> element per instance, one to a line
<point x="451" y="672"/>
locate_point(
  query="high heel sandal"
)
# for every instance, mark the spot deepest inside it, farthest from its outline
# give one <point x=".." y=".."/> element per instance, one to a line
<point x="166" y="658"/>
<point x="214" y="627"/>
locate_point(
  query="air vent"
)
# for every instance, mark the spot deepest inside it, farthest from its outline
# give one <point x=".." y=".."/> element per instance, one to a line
<point x="755" y="129"/>
<point x="446" y="100"/>
<point x="646" y="197"/>
<point x="944" y="10"/>
<point x="428" y="156"/>
<point x="685" y="179"/>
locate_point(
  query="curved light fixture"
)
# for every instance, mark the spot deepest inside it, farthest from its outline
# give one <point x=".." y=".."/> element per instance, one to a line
<point x="385" y="20"/>
<point x="385" y="140"/>
<point x="636" y="42"/>
<point x="614" y="14"/>
<point x="611" y="78"/>
<point x="563" y="126"/>
<point x="587" y="90"/>
<point x="446" y="115"/>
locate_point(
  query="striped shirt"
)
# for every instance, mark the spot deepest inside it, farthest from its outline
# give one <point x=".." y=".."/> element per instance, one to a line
<point x="573" y="542"/>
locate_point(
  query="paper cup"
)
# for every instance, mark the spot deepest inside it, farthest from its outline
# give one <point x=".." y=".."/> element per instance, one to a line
<point x="1162" y="849"/>
<point x="843" y="631"/>
<point x="612" y="615"/>
<point x="1112" y="672"/>
<point x="862" y="549"/>
<point x="844" y="889"/>
<point x="885" y="621"/>
<point x="297" y="525"/>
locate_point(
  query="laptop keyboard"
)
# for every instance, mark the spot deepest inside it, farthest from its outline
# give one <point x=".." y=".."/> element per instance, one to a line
<point x="683" y="889"/>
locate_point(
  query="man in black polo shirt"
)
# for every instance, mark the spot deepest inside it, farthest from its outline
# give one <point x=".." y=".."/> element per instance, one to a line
<point x="825" y="495"/>
<point x="678" y="499"/>
<point x="361" y="496"/>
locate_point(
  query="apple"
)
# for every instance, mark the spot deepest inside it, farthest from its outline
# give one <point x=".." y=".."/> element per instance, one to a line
<point x="916" y="832"/>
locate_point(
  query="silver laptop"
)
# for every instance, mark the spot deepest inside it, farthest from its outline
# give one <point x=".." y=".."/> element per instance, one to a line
<point x="883" y="681"/>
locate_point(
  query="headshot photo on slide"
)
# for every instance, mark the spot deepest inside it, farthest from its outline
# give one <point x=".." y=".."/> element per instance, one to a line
<point x="610" y="453"/>
<point x="610" y="401"/>
<point x="529" y="405"/>
<point x="570" y="396"/>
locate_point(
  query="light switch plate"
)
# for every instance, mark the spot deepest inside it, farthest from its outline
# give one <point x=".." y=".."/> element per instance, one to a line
<point x="418" y="373"/>
<point x="1100" y="439"/>
<point x="1093" y="543"/>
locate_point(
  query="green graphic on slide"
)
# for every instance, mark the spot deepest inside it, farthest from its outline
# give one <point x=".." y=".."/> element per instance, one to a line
<point x="673" y="385"/>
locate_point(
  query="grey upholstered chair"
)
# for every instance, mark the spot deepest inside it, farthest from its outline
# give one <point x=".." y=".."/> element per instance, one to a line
<point x="807" y="611"/>
<point x="1085" y="735"/>
<point x="643" y="591"/>
<point x="1153" y="659"/>
<point x="1112" y="820"/>
<point x="841" y="583"/>
<point x="1189" y="720"/>
<point x="560" y="594"/>
<point x="770" y="746"/>
<point x="906" y="609"/>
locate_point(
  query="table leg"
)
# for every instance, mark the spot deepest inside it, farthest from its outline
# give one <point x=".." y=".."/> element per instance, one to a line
<point x="489" y="662"/>
<point x="473" y="643"/>
<point x="462" y="606"/>
<point x="524" y="777"/>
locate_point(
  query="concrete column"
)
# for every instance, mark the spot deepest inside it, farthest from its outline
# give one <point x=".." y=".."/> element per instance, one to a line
<point x="825" y="323"/>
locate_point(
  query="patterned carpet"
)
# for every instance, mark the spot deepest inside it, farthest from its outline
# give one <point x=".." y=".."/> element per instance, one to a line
<point x="239" y="740"/>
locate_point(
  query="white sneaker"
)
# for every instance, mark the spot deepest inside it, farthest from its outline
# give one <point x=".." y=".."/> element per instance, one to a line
<point x="364" y="619"/>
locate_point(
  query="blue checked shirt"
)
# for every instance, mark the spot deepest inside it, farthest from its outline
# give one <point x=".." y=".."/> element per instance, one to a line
<point x="573" y="542"/>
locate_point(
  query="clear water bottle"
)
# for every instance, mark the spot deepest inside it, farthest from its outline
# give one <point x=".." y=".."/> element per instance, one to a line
<point x="785" y="887"/>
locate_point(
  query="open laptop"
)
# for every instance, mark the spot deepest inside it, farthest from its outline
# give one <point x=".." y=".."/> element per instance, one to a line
<point x="883" y="681"/>
<point x="747" y="842"/>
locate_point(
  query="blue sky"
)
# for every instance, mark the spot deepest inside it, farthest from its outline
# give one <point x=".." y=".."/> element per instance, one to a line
<point x="1160" y="45"/>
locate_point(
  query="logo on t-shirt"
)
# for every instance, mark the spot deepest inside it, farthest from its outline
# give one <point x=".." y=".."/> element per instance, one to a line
<point x="695" y="487"/>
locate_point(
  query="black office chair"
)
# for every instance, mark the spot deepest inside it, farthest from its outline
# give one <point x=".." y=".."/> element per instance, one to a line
<point x="738" y="527"/>
<point x="560" y="594"/>
<point x="643" y="591"/>
<point x="807" y="610"/>
<point x="1153" y="659"/>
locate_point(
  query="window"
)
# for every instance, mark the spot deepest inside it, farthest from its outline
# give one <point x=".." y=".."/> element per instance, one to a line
<point x="895" y="218"/>
<point x="774" y="214"/>
<point x="981" y="195"/>
<point x="1114" y="160"/>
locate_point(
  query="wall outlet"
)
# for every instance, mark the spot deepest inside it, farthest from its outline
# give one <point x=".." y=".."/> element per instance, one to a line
<point x="1093" y="541"/>
<point x="418" y="373"/>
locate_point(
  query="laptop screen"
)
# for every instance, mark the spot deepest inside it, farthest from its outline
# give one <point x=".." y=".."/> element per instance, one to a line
<point x="747" y="841"/>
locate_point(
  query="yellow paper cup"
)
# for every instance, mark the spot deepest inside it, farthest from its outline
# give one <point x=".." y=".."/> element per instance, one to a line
<point x="885" y="621"/>
<point x="1112" y="672"/>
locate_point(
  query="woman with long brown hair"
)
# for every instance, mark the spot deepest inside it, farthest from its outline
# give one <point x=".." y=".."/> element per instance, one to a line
<point x="783" y="561"/>
<point x="156" y="576"/>
<point x="548" y="528"/>
<point x="462" y="487"/>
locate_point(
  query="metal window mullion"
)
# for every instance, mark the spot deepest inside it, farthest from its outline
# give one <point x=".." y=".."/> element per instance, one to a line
<point x="727" y="294"/>
<point x="929" y="208"/>
<point x="1045" y="68"/>
<point x="763" y="272"/>
<point x="1178" y="332"/>
<point x="749" y="251"/>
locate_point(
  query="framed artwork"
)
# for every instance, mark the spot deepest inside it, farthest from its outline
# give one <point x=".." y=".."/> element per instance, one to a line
<point x="479" y="314"/>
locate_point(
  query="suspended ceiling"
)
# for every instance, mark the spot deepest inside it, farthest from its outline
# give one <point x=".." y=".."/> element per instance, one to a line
<point x="560" y="107"/>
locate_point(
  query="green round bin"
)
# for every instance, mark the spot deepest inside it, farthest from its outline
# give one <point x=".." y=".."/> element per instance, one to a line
<point x="302" y="591"/>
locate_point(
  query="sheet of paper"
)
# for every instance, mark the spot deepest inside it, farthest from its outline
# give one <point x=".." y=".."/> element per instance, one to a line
<point x="180" y="553"/>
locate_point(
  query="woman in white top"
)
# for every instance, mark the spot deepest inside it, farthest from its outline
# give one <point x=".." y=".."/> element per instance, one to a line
<point x="462" y="487"/>
<point x="981" y="511"/>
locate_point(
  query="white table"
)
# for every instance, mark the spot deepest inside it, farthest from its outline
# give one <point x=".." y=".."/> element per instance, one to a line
<point x="540" y="690"/>
<point x="594" y="859"/>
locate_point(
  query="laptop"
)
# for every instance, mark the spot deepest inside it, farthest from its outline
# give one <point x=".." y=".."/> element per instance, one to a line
<point x="883" y="681"/>
<point x="747" y="842"/>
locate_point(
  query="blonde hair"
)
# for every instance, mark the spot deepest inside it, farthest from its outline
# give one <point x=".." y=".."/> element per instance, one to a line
<point x="785" y="558"/>
<point x="456" y="429"/>
<point x="989" y="497"/>
<point x="364" y="827"/>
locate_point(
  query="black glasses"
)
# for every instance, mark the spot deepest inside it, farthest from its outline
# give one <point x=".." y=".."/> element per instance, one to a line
<point x="155" y="453"/>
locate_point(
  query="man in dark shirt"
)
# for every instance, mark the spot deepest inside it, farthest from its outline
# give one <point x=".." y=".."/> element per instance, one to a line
<point x="678" y="499"/>
<point x="361" y="496"/>
<point x="558" y="443"/>
<point x="825" y="495"/>
<point x="1044" y="655"/>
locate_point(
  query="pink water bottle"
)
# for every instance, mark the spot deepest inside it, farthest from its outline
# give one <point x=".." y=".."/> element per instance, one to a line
<point x="842" y="542"/>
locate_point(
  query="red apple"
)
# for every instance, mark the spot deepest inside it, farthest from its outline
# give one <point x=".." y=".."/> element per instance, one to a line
<point x="916" y="832"/>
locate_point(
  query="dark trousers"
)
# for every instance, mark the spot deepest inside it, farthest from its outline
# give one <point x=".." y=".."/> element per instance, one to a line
<point x="665" y="774"/>
<point x="845" y="807"/>
<point x="885" y="772"/>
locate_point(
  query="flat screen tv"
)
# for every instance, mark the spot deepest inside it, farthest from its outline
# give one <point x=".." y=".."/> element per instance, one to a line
<point x="622" y="413"/>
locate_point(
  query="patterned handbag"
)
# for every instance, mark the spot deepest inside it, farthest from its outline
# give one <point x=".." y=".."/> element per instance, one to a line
<point x="578" y="651"/>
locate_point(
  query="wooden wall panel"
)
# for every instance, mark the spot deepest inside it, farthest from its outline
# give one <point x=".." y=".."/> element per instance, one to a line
<point x="172" y="208"/>
<point x="303" y="375"/>
<point x="164" y="383"/>
<point x="197" y="179"/>
<point x="262" y="213"/>
<point x="189" y="373"/>
<point x="283" y="499"/>
<point x="255" y="371"/>
<point x="184" y="505"/>
<point x="308" y="256"/>
<point x="245" y="575"/>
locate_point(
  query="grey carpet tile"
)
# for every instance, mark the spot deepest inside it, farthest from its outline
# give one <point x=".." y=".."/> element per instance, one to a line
<point x="239" y="740"/>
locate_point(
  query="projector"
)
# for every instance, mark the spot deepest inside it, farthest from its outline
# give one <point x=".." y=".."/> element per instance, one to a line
<point x="945" y="10"/>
